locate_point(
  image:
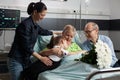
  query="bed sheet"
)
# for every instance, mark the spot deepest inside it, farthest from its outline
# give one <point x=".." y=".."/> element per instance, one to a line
<point x="69" y="70"/>
<point x="72" y="70"/>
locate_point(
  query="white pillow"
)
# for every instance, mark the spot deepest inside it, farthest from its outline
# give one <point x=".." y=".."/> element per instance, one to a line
<point x="41" y="43"/>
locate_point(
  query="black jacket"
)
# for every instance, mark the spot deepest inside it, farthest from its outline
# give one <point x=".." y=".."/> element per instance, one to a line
<point x="25" y="37"/>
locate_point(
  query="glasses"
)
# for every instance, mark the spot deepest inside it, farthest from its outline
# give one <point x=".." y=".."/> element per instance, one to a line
<point x="89" y="31"/>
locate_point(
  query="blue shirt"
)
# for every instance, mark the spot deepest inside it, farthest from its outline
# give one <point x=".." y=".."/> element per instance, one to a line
<point x="105" y="39"/>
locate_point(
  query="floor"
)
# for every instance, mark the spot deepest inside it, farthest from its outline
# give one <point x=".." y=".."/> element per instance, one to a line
<point x="111" y="78"/>
<point x="4" y="75"/>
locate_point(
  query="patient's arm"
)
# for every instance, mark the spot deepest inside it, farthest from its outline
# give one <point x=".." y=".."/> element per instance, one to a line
<point x="78" y="52"/>
<point x="46" y="52"/>
<point x="53" y="51"/>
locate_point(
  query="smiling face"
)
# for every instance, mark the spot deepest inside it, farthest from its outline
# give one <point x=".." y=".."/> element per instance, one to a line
<point x="91" y="32"/>
<point x="68" y="35"/>
<point x="39" y="15"/>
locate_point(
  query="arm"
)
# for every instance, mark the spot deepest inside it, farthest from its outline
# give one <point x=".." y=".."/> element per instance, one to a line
<point x="53" y="51"/>
<point x="43" y="59"/>
<point x="78" y="52"/>
<point x="57" y="32"/>
<point x="46" y="52"/>
<point x="42" y="31"/>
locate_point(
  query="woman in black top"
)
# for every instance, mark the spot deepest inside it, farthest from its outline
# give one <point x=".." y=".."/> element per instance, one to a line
<point x="25" y="37"/>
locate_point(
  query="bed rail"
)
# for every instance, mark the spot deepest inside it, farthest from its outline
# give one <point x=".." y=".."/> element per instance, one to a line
<point x="103" y="71"/>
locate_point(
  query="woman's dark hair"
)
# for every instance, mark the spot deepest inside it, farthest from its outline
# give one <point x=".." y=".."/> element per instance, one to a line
<point x="39" y="6"/>
<point x="51" y="43"/>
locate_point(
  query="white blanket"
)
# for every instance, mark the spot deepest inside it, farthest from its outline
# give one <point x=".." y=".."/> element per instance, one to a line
<point x="70" y="70"/>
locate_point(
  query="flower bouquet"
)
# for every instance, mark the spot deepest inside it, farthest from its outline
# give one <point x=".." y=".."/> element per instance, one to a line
<point x="99" y="55"/>
<point x="90" y="56"/>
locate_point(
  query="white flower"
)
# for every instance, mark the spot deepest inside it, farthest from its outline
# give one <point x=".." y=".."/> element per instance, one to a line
<point x="104" y="57"/>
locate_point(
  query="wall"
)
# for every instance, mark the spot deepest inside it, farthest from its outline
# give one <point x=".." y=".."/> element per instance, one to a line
<point x="114" y="8"/>
<point x="115" y="18"/>
<point x="96" y="8"/>
<point x="60" y="13"/>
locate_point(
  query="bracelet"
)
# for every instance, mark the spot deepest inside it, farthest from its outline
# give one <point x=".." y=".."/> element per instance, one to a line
<point x="65" y="52"/>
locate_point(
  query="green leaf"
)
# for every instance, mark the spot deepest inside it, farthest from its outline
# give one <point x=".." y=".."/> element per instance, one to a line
<point x="91" y="57"/>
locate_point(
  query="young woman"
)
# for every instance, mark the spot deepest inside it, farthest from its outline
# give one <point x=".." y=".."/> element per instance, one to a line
<point x="25" y="37"/>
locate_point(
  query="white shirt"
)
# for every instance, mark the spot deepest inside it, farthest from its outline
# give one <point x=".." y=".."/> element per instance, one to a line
<point x="56" y="58"/>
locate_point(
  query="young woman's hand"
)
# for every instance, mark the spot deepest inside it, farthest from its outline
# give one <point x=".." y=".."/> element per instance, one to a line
<point x="46" y="61"/>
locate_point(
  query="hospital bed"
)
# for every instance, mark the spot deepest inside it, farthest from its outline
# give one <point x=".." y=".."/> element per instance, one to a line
<point x="115" y="71"/>
<point x="74" y="70"/>
<point x="71" y="70"/>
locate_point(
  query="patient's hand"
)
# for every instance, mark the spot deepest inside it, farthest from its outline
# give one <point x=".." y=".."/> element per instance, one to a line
<point x="46" y="61"/>
<point x="84" y="52"/>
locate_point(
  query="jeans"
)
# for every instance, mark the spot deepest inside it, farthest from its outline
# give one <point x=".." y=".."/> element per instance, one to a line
<point x="32" y="72"/>
<point x="15" y="68"/>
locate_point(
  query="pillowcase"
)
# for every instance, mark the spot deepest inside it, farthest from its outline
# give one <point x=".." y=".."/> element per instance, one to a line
<point x="77" y="39"/>
<point x="42" y="42"/>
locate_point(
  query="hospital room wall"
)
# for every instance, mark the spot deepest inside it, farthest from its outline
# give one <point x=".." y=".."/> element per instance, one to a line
<point x="115" y="23"/>
<point x="56" y="8"/>
<point x="63" y="13"/>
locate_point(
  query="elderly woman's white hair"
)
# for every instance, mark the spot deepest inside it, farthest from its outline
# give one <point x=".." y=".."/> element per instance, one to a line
<point x="69" y="28"/>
